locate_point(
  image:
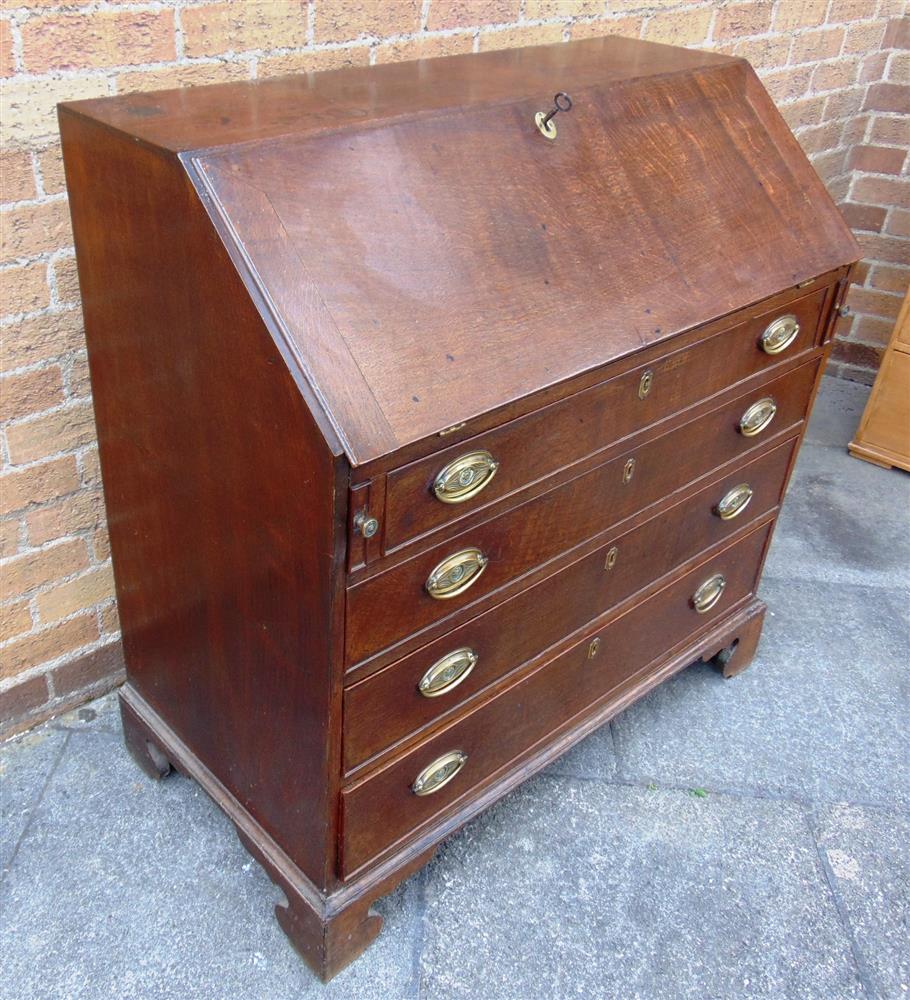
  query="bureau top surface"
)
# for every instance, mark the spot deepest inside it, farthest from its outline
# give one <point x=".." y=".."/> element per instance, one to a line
<point x="428" y="256"/>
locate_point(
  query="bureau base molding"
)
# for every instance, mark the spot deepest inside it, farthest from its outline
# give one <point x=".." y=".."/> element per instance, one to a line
<point x="331" y="929"/>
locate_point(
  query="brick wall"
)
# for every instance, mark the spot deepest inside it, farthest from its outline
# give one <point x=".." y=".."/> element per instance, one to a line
<point x="838" y="69"/>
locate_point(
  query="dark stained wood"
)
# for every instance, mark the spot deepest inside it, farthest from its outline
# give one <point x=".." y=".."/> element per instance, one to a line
<point x="390" y="203"/>
<point x="304" y="296"/>
<point x="307" y="104"/>
<point x="392" y="605"/>
<point x="554" y="436"/>
<point x="381" y="808"/>
<point x="383" y="708"/>
<point x="221" y="494"/>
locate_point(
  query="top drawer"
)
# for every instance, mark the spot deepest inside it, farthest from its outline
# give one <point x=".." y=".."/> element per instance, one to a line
<point x="460" y="480"/>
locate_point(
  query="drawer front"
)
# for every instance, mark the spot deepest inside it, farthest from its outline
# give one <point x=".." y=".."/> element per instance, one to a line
<point x="477" y="472"/>
<point x="393" y="604"/>
<point x="388" y="706"/>
<point x="383" y="807"/>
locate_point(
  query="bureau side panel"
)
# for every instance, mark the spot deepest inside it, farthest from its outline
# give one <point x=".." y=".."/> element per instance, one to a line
<point x="225" y="504"/>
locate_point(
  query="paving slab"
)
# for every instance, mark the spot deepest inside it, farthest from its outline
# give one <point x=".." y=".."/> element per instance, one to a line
<point x="867" y="854"/>
<point x="843" y="520"/>
<point x="820" y="715"/>
<point x="585" y="889"/>
<point x="837" y="411"/>
<point x="129" y="888"/>
<point x="24" y="770"/>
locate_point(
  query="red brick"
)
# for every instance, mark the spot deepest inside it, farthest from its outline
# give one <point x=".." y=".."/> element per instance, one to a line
<point x="877" y="159"/>
<point x="897" y="34"/>
<point x="830" y="164"/>
<point x="835" y="74"/>
<point x="863" y="38"/>
<point x="40" y="647"/>
<point x="7" y="57"/>
<point x="889" y="278"/>
<point x="788" y="84"/>
<point x="893" y="97"/>
<point x="885" y="191"/>
<point x="65" y="429"/>
<point x="898" y="223"/>
<point x="819" y="138"/>
<point x="103" y="665"/>
<point x="874" y="303"/>
<point x="30" y="392"/>
<point x="81" y="511"/>
<point x="891" y="131"/>
<point x="345" y="20"/>
<point x="17" y="178"/>
<point x="873" y="67"/>
<point x="213" y="29"/>
<point x="97" y="40"/>
<point x="868" y="217"/>
<point x="34" y="229"/>
<point x="9" y="537"/>
<point x="38" y="484"/>
<point x="813" y="46"/>
<point x="40" y="567"/>
<point x="741" y="19"/>
<point x="31" y="341"/>
<point x="873" y="330"/>
<point x="470" y="13"/>
<point x="24" y="289"/>
<point x="808" y="111"/>
<point x="15" y="619"/>
<point x="18" y="701"/>
<point x="887" y="249"/>
<point x="846" y="10"/>
<point x="844" y="103"/>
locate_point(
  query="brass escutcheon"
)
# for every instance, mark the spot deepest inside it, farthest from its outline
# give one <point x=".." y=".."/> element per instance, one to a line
<point x="734" y="502"/>
<point x="439" y="773"/>
<point x="593" y="648"/>
<point x="465" y="477"/>
<point x="780" y="334"/>
<point x="628" y="470"/>
<point x="644" y="385"/>
<point x="709" y="593"/>
<point x="612" y="556"/>
<point x="446" y="674"/>
<point x="757" y="417"/>
<point x="456" y="573"/>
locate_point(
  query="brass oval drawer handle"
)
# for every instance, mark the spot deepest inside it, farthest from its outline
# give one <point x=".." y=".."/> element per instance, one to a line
<point x="780" y="334"/>
<point x="734" y="502"/>
<point x="757" y="417"/>
<point x="446" y="674"/>
<point x="439" y="773"/>
<point x="456" y="573"/>
<point x="465" y="477"/>
<point x="709" y="593"/>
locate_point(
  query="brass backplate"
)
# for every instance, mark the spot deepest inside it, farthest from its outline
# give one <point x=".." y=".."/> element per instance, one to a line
<point x="465" y="477"/>
<point x="434" y="776"/>
<point x="709" y="593"/>
<point x="780" y="334"/>
<point x="456" y="573"/>
<point x="734" y="502"/>
<point x="757" y="417"/>
<point x="447" y="673"/>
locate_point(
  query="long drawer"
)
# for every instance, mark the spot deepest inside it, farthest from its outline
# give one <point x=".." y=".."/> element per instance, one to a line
<point x="396" y="603"/>
<point x="539" y="444"/>
<point x="385" y="806"/>
<point x="419" y="689"/>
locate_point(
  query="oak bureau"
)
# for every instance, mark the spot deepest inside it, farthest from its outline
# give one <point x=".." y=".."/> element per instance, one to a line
<point x="440" y="418"/>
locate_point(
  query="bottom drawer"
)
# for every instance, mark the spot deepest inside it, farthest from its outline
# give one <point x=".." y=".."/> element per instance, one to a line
<point x="384" y="807"/>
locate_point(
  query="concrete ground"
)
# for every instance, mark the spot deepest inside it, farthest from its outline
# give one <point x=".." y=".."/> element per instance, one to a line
<point x="736" y="839"/>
